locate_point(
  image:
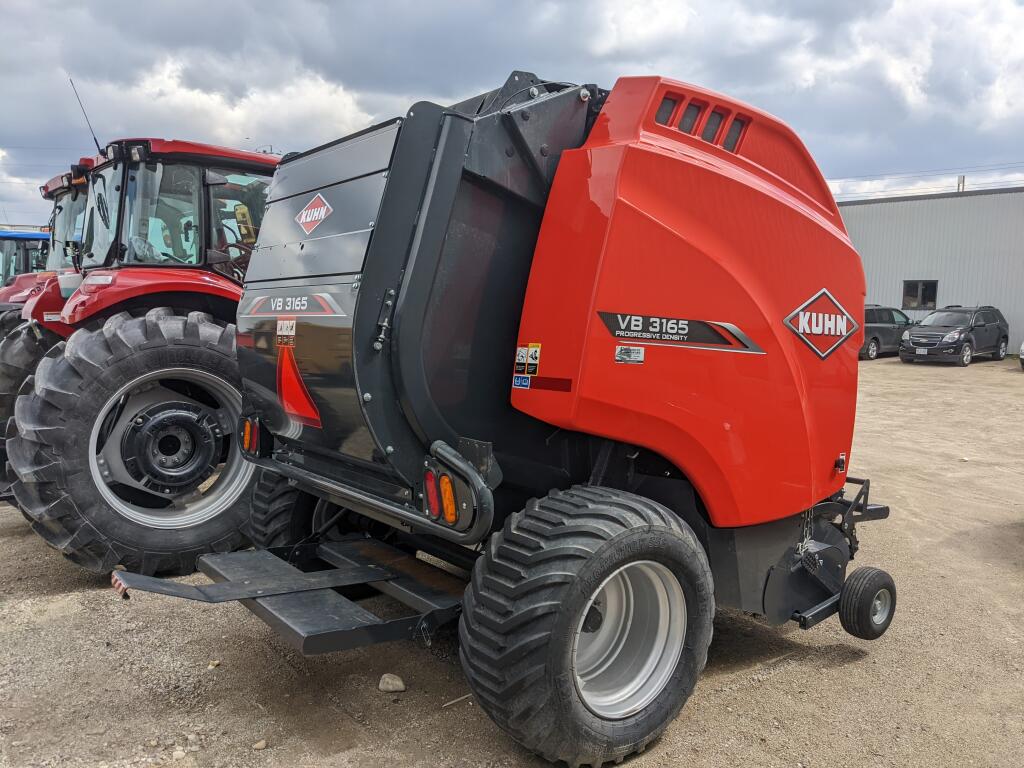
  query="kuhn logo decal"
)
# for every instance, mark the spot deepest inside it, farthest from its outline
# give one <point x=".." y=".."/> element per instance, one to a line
<point x="822" y="323"/>
<point x="313" y="215"/>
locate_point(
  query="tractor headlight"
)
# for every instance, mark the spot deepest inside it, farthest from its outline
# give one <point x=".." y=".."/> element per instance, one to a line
<point x="951" y="336"/>
<point x="906" y="335"/>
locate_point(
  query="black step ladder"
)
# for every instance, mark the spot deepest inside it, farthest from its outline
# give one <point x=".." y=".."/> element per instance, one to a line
<point x="304" y="606"/>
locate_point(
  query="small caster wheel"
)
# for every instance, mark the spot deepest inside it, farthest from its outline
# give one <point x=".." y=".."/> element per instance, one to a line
<point x="867" y="603"/>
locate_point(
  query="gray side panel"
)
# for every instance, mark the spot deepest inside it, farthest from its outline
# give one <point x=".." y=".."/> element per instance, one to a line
<point x="359" y="155"/>
<point x="322" y="347"/>
<point x="338" y="243"/>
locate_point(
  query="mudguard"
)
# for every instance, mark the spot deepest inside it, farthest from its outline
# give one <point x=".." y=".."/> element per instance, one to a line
<point x="17" y="292"/>
<point x="105" y="288"/>
<point x="44" y="306"/>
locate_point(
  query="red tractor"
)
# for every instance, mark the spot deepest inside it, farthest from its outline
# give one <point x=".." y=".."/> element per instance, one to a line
<point x="48" y="252"/>
<point x="123" y="452"/>
<point x="68" y="192"/>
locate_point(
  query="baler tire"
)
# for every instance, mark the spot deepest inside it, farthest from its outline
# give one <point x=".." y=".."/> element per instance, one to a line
<point x="50" y="455"/>
<point x="524" y="611"/>
<point x="20" y="352"/>
<point x="856" y="601"/>
<point x="281" y="514"/>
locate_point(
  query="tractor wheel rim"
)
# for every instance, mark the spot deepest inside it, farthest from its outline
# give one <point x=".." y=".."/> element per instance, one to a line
<point x="629" y="639"/>
<point x="163" y="507"/>
<point x="881" y="605"/>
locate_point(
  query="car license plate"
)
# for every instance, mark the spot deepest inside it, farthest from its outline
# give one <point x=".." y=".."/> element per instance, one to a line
<point x="922" y="351"/>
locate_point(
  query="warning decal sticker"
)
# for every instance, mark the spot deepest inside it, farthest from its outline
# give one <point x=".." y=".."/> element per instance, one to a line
<point x="532" y="359"/>
<point x="521" y="360"/>
<point x="286" y="332"/>
<point x="631" y="355"/>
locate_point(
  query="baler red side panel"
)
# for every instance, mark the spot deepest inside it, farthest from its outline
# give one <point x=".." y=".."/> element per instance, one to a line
<point x="644" y="221"/>
<point x="125" y="284"/>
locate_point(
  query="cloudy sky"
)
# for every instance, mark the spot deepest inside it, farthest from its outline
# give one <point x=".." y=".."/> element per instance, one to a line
<point x="912" y="90"/>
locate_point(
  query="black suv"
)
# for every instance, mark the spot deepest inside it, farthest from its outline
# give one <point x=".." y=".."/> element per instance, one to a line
<point x="956" y="334"/>
<point x="883" y="327"/>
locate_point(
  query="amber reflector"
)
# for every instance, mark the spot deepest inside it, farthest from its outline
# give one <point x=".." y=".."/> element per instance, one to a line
<point x="451" y="514"/>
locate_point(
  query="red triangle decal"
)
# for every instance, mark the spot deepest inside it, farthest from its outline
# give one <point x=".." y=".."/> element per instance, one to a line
<point x="292" y="392"/>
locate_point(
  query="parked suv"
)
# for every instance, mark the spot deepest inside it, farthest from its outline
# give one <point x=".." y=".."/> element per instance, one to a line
<point x="883" y="327"/>
<point x="956" y="334"/>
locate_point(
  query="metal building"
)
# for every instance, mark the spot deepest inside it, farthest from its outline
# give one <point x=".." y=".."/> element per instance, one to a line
<point x="927" y="251"/>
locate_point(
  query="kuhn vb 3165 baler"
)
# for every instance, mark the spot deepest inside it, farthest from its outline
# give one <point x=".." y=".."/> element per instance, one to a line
<point x="597" y="348"/>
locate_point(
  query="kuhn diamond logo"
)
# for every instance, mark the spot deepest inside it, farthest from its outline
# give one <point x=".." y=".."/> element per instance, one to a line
<point x="822" y="323"/>
<point x="316" y="210"/>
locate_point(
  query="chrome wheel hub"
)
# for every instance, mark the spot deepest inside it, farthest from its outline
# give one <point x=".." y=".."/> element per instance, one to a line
<point x="629" y="639"/>
<point x="881" y="605"/>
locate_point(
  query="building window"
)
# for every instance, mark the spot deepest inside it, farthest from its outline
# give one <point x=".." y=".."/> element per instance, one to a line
<point x="920" y="294"/>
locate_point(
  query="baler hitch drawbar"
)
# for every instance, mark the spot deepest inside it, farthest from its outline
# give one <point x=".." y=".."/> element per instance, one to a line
<point x="849" y="512"/>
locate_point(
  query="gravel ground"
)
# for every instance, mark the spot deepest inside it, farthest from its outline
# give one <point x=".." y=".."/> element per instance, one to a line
<point x="88" y="680"/>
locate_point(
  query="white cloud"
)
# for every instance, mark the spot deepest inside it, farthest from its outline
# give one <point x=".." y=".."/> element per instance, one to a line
<point x="296" y="115"/>
<point x="20" y="201"/>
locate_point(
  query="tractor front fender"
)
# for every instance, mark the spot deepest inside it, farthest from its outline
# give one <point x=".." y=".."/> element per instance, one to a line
<point x="106" y="290"/>
<point x="44" y="306"/>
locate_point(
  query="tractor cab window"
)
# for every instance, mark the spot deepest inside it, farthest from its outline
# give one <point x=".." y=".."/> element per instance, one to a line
<point x="36" y="252"/>
<point x="237" y="201"/>
<point x="161" y="215"/>
<point x="100" y="230"/>
<point x="8" y="259"/>
<point x="66" y="224"/>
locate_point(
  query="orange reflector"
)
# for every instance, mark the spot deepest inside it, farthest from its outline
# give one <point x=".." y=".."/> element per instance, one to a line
<point x="451" y="515"/>
<point x="246" y="435"/>
<point x="430" y="489"/>
<point x="292" y="392"/>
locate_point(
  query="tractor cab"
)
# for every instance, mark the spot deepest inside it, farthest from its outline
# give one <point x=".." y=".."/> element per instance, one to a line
<point x="174" y="204"/>
<point x="69" y="193"/>
<point x="22" y="253"/>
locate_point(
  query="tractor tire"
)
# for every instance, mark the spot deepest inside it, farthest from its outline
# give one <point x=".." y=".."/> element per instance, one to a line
<point x="9" y="320"/>
<point x="281" y="514"/>
<point x="548" y="640"/>
<point x="126" y="453"/>
<point x="20" y="352"/>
